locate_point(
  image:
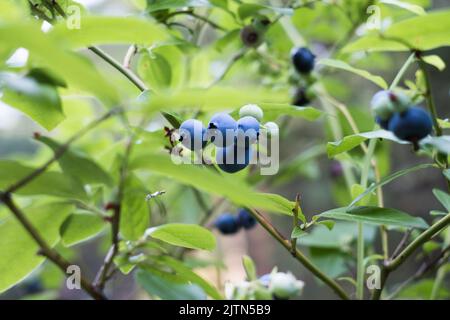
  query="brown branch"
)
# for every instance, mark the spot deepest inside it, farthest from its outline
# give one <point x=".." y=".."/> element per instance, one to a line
<point x="45" y="250"/>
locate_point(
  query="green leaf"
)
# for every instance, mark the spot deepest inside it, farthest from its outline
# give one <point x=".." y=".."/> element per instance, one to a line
<point x="388" y="179"/>
<point x="80" y="226"/>
<point x="18" y="252"/>
<point x="157" y="5"/>
<point x="109" y="30"/>
<point x="135" y="215"/>
<point x="184" y="235"/>
<point x="40" y="102"/>
<point x="441" y="144"/>
<point x="435" y="61"/>
<point x="272" y="111"/>
<point x="422" y="290"/>
<point x="251" y="9"/>
<point x="342" y="235"/>
<point x="423" y="33"/>
<point x="379" y="81"/>
<point x="352" y="141"/>
<point x="327" y="223"/>
<point x="186" y="272"/>
<point x="215" y="98"/>
<point x="330" y="261"/>
<point x="155" y="70"/>
<point x="78" y="164"/>
<point x="205" y="179"/>
<point x="447" y="174"/>
<point x="249" y="267"/>
<point x="297" y="232"/>
<point x="76" y="70"/>
<point x="443" y="197"/>
<point x="167" y="290"/>
<point x="407" y="6"/>
<point x="376" y="215"/>
<point x="48" y="183"/>
<point x="173" y="118"/>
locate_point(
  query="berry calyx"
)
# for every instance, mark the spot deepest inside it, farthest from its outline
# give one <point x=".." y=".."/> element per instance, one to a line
<point x="303" y="60"/>
<point x="411" y="125"/>
<point x="227" y="224"/>
<point x="192" y="134"/>
<point x="245" y="219"/>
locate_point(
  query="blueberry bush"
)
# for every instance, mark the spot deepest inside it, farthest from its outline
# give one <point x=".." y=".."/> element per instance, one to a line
<point x="144" y="129"/>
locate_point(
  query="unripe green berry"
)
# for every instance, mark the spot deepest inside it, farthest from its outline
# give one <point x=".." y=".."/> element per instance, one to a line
<point x="251" y="110"/>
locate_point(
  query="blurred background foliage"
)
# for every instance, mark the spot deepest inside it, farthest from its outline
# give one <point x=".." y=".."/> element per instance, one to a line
<point x="200" y="56"/>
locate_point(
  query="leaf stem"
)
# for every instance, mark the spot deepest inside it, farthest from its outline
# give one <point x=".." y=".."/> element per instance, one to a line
<point x="402" y="71"/>
<point x="126" y="72"/>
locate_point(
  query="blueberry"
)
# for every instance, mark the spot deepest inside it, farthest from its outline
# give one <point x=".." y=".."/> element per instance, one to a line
<point x="192" y="134"/>
<point x="303" y="59"/>
<point x="250" y="36"/>
<point x="301" y="98"/>
<point x="251" y="110"/>
<point x="232" y="159"/>
<point x="245" y="219"/>
<point x="383" y="123"/>
<point x="248" y="131"/>
<point x="386" y="102"/>
<point x="227" y="224"/>
<point x="222" y="129"/>
<point x="265" y="279"/>
<point x="412" y="125"/>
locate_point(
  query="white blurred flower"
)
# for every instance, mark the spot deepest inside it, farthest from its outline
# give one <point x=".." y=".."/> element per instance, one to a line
<point x="285" y="285"/>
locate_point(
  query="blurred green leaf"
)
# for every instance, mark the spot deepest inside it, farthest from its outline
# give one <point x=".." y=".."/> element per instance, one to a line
<point x="443" y="197"/>
<point x="338" y="64"/>
<point x="184" y="235"/>
<point x="388" y="179"/>
<point x="423" y="33"/>
<point x="407" y="6"/>
<point x="80" y="226"/>
<point x="157" y="5"/>
<point x="211" y="182"/>
<point x="49" y="183"/>
<point x="78" y="164"/>
<point x="435" y="61"/>
<point x="39" y="101"/>
<point x="96" y="30"/>
<point x="167" y="290"/>
<point x="18" y="252"/>
<point x="352" y="141"/>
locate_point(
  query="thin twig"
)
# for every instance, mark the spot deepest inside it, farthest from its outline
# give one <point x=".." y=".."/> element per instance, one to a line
<point x="132" y="50"/>
<point x="195" y="15"/>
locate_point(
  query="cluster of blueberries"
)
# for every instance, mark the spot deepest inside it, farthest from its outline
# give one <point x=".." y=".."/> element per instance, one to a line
<point x="394" y="111"/>
<point x="228" y="223"/>
<point x="233" y="139"/>
<point x="304" y="61"/>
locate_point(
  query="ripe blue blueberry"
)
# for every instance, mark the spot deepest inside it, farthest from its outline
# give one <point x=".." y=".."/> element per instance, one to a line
<point x="382" y="123"/>
<point x="192" y="134"/>
<point x="412" y="125"/>
<point x="265" y="279"/>
<point x="232" y="159"/>
<point x="248" y="131"/>
<point x="303" y="59"/>
<point x="227" y="224"/>
<point x="222" y="129"/>
<point x="245" y="219"/>
<point x="301" y="98"/>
